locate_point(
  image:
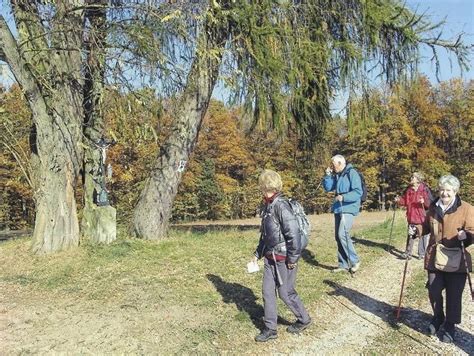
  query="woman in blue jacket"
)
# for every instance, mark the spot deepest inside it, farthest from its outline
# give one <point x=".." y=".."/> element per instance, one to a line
<point x="344" y="180"/>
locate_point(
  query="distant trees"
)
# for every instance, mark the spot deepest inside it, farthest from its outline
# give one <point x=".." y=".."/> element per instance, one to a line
<point x="221" y="179"/>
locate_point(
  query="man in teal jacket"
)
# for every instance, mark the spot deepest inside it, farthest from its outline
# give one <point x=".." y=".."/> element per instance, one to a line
<point x="345" y="181"/>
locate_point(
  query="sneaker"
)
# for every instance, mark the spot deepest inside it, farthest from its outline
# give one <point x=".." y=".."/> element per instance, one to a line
<point x="355" y="268"/>
<point x="339" y="269"/>
<point x="266" y="335"/>
<point x="298" y="326"/>
<point x="421" y="257"/>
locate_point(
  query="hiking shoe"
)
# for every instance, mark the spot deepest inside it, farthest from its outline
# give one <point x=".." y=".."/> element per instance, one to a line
<point x="435" y="325"/>
<point x="338" y="269"/>
<point x="298" y="326"/>
<point x="355" y="268"/>
<point x="432" y="330"/>
<point x="448" y="337"/>
<point x="266" y="335"/>
<point x="405" y="256"/>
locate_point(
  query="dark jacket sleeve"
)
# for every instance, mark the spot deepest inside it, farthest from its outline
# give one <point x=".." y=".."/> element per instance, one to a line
<point x="260" y="247"/>
<point x="290" y="230"/>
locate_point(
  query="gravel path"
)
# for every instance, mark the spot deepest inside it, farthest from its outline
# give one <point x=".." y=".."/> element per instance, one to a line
<point x="364" y="308"/>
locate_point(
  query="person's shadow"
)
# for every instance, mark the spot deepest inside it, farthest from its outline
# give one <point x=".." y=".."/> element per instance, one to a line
<point x="244" y="299"/>
<point x="382" y="245"/>
<point x="413" y="318"/>
<point x="310" y="259"/>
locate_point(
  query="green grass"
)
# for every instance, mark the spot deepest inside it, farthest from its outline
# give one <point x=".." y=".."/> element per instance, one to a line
<point x="199" y="276"/>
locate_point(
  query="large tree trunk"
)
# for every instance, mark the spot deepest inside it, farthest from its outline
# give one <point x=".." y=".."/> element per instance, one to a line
<point x="51" y="81"/>
<point x="56" y="224"/>
<point x="153" y="211"/>
<point x="98" y="222"/>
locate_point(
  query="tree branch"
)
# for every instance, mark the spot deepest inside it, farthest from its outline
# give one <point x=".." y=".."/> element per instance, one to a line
<point x="20" y="68"/>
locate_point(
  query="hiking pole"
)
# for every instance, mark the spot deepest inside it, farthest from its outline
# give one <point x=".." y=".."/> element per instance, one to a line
<point x="391" y="229"/>
<point x="403" y="279"/>
<point x="343" y="221"/>
<point x="401" y="291"/>
<point x="467" y="269"/>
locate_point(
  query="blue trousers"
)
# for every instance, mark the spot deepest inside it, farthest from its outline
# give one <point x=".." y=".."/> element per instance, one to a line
<point x="345" y="248"/>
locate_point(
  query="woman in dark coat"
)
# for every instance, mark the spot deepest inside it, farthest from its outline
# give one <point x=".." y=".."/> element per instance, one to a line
<point x="449" y="221"/>
<point x="280" y="246"/>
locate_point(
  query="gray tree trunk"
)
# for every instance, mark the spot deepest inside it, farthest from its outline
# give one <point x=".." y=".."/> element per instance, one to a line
<point x="49" y="72"/>
<point x="153" y="210"/>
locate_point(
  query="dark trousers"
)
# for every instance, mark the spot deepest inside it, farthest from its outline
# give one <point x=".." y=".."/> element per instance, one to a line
<point x="454" y="284"/>
<point x="286" y="292"/>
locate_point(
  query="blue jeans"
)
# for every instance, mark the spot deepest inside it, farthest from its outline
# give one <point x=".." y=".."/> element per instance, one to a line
<point x="345" y="248"/>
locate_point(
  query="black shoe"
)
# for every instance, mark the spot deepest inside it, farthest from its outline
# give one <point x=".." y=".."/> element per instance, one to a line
<point x="435" y="325"/>
<point x="448" y="334"/>
<point x="266" y="335"/>
<point x="297" y="327"/>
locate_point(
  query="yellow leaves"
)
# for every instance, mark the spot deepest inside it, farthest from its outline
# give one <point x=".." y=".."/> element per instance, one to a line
<point x="175" y="14"/>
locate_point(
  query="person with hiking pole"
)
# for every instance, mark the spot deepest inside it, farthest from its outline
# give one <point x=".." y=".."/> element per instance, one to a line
<point x="416" y="198"/>
<point x="280" y="245"/>
<point x="345" y="181"/>
<point x="450" y="222"/>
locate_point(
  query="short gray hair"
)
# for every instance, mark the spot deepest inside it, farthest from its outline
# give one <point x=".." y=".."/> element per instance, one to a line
<point x="451" y="181"/>
<point x="339" y="159"/>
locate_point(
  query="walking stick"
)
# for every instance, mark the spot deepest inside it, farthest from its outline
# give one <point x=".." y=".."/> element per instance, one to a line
<point x="401" y="291"/>
<point x="391" y="229"/>
<point x="467" y="269"/>
<point x="403" y="284"/>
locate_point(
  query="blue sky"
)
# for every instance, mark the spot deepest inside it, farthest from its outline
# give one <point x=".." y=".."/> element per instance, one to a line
<point x="459" y="17"/>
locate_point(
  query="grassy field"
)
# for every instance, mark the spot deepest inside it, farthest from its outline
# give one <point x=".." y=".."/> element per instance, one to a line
<point x="187" y="294"/>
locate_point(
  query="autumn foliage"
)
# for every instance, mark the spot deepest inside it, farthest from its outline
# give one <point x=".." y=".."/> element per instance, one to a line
<point x="386" y="135"/>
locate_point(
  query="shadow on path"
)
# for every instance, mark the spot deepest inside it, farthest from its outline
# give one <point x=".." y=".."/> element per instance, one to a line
<point x="413" y="318"/>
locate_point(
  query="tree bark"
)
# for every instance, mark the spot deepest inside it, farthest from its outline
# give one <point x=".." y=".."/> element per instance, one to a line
<point x="52" y="84"/>
<point x="153" y="210"/>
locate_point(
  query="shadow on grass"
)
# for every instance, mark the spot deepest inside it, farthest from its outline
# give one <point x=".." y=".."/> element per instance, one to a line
<point x="382" y="245"/>
<point x="244" y="299"/>
<point x="310" y="258"/>
<point x="413" y="318"/>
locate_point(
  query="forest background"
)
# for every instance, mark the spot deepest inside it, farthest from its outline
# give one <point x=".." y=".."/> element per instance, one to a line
<point x="419" y="126"/>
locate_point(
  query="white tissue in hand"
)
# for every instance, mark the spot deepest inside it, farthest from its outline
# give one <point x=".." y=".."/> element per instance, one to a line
<point x="252" y="267"/>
